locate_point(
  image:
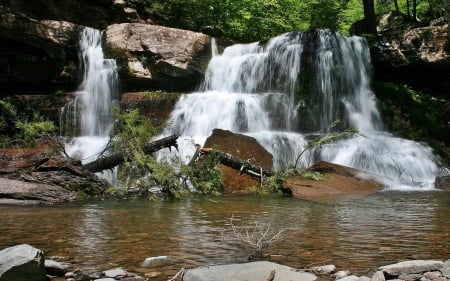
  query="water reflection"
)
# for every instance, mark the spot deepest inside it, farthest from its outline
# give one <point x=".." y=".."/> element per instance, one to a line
<point x="358" y="234"/>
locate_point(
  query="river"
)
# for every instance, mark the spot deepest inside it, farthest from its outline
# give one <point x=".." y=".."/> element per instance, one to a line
<point x="358" y="234"/>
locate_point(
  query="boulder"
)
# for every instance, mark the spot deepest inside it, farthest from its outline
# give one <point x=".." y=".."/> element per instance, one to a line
<point x="14" y="192"/>
<point x="157" y="57"/>
<point x="411" y="267"/>
<point x="337" y="181"/>
<point x="442" y="182"/>
<point x="242" y="147"/>
<point x="407" y="53"/>
<point x="22" y="263"/>
<point x="246" y="271"/>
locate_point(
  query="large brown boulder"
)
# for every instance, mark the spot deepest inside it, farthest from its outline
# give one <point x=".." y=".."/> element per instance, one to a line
<point x="157" y="57"/>
<point x="337" y="182"/>
<point x="242" y="147"/>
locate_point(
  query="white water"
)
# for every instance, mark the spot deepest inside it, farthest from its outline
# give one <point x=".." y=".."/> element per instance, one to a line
<point x="95" y="97"/>
<point x="295" y="85"/>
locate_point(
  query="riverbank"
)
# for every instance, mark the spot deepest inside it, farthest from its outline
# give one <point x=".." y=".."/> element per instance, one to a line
<point x="24" y="262"/>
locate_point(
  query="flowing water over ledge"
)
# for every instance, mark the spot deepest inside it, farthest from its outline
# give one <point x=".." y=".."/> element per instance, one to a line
<point x="356" y="234"/>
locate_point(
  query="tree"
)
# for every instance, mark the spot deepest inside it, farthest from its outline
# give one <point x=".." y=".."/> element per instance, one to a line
<point x="369" y="17"/>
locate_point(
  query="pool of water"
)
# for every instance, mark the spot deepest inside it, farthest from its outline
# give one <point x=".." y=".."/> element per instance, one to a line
<point x="359" y="234"/>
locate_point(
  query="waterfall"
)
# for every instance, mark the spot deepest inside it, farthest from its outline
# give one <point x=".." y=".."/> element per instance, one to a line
<point x="291" y="88"/>
<point x="90" y="114"/>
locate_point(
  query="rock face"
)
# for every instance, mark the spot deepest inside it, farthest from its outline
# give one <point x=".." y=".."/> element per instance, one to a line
<point x="35" y="52"/>
<point x="158" y="57"/>
<point x="157" y="105"/>
<point x="338" y="181"/>
<point x="409" y="54"/>
<point x="242" y="147"/>
<point x="22" y="263"/>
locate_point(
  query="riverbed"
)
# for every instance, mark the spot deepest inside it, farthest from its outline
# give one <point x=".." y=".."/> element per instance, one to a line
<point x="358" y="234"/>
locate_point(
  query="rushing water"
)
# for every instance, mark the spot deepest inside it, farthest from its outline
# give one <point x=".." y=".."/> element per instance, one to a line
<point x="357" y="234"/>
<point x="91" y="112"/>
<point x="297" y="84"/>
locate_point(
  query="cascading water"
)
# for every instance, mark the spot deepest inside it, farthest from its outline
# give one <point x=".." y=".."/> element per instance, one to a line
<point x="91" y="112"/>
<point x="296" y="85"/>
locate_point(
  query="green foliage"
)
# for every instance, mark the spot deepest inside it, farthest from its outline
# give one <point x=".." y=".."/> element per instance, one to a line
<point x="205" y="175"/>
<point x="22" y="130"/>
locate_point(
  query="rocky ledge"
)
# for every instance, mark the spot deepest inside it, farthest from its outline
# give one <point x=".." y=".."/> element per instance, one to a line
<point x="24" y="262"/>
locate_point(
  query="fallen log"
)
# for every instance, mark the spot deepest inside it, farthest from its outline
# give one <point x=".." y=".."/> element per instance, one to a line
<point x="109" y="162"/>
<point x="239" y="164"/>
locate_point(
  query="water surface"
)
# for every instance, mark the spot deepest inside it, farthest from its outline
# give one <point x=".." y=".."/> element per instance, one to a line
<point x="359" y="234"/>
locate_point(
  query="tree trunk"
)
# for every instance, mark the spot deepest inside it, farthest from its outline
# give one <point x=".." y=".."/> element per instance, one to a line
<point x="414" y="10"/>
<point x="397" y="9"/>
<point x="447" y="9"/>
<point x="239" y="164"/>
<point x="370" y="25"/>
<point x="111" y="161"/>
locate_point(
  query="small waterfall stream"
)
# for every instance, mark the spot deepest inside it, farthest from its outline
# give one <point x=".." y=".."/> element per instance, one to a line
<point x="91" y="112"/>
<point x="292" y="87"/>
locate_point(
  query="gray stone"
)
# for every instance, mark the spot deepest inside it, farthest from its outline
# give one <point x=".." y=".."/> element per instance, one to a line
<point x="325" y="269"/>
<point x="22" y="263"/>
<point x="378" y="276"/>
<point x="446" y="269"/>
<point x="410" y="277"/>
<point x="55" y="268"/>
<point x="414" y="266"/>
<point x="247" y="271"/>
<point x="157" y="261"/>
<point x="115" y="273"/>
<point x="364" y="278"/>
<point x="349" y="278"/>
<point x="106" y="279"/>
<point x="341" y="274"/>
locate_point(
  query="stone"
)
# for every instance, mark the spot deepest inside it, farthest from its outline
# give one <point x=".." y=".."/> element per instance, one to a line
<point x="378" y="276"/>
<point x="157" y="261"/>
<point x="325" y="269"/>
<point x="55" y="268"/>
<point x="364" y="278"/>
<point x="348" y="278"/>
<point x="24" y="193"/>
<point x="410" y="277"/>
<point x="341" y="274"/>
<point x="115" y="273"/>
<point x="446" y="269"/>
<point x="157" y="56"/>
<point x="246" y="271"/>
<point x="413" y="266"/>
<point x="242" y="147"/>
<point x="22" y="263"/>
<point x="442" y="182"/>
<point x="337" y="182"/>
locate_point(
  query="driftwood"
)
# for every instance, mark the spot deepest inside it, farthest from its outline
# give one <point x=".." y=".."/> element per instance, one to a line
<point x="239" y="164"/>
<point x="113" y="160"/>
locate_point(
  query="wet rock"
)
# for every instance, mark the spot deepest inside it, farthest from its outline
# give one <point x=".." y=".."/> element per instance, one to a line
<point x="157" y="261"/>
<point x="341" y="274"/>
<point x="442" y="182"/>
<point x="349" y="278"/>
<point x="410" y="267"/>
<point x="14" y="192"/>
<point x="158" y="57"/>
<point x="337" y="181"/>
<point x="247" y="271"/>
<point x="155" y="105"/>
<point x="22" y="263"/>
<point x="364" y="278"/>
<point x="242" y="147"/>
